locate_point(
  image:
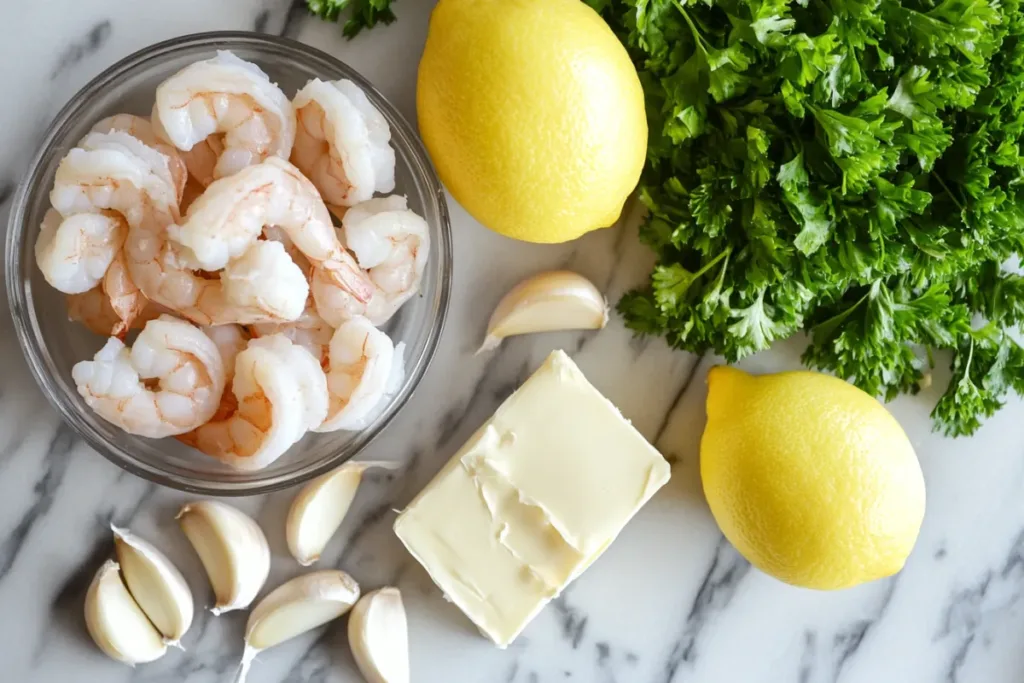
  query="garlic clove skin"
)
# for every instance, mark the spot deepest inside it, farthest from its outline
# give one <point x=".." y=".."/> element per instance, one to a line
<point x="156" y="585"/>
<point x="547" y="302"/>
<point x="295" y="607"/>
<point x="320" y="507"/>
<point x="233" y="551"/>
<point x="116" y="622"/>
<point x="378" y="633"/>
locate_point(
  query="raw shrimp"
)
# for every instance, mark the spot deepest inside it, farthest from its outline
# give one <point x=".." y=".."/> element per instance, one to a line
<point x="184" y="362"/>
<point x="225" y="96"/>
<point x="362" y="364"/>
<point x="141" y="129"/>
<point x="310" y="376"/>
<point x="342" y="142"/>
<point x="308" y="331"/>
<point x="270" y="415"/>
<point x="91" y="180"/>
<point x="265" y="278"/>
<point x="231" y="340"/>
<point x="276" y="234"/>
<point x="392" y="244"/>
<point x="263" y="285"/>
<point x="95" y="309"/>
<point x="126" y="300"/>
<point x="74" y="253"/>
<point x="115" y="178"/>
<point x="233" y="212"/>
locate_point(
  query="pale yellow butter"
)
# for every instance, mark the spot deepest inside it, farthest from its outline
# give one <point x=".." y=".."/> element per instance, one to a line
<point x="532" y="499"/>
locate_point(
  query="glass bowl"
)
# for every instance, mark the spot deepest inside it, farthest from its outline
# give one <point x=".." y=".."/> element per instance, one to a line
<point x="52" y="344"/>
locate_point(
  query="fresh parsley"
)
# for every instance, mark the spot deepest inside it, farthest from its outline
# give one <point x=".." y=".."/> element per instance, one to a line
<point x="852" y="168"/>
<point x="362" y="14"/>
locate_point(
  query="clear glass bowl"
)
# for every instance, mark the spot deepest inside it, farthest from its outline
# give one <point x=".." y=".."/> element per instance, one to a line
<point x="52" y="344"/>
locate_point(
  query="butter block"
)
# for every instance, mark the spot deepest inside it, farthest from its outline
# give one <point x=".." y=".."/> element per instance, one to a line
<point x="531" y="500"/>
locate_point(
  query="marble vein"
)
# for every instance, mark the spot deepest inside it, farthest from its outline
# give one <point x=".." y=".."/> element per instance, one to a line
<point x="726" y="571"/>
<point x="849" y="640"/>
<point x="83" y="47"/>
<point x="55" y="464"/>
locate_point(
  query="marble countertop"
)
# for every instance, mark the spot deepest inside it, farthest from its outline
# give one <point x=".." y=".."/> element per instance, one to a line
<point x="670" y="601"/>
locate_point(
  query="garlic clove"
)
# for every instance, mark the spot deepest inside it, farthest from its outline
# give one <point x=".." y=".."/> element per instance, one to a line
<point x="378" y="634"/>
<point x="116" y="622"/>
<point x="320" y="507"/>
<point x="156" y="585"/>
<point x="547" y="302"/>
<point x="232" y="548"/>
<point x="295" y="607"/>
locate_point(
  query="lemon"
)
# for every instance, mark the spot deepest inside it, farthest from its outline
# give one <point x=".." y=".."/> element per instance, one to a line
<point x="811" y="479"/>
<point x="533" y="115"/>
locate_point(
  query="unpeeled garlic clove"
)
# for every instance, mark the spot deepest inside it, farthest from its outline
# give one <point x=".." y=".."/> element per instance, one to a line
<point x="232" y="548"/>
<point x="378" y="634"/>
<point x="547" y="302"/>
<point x="155" y="583"/>
<point x="294" y="607"/>
<point x="320" y="507"/>
<point x="116" y="622"/>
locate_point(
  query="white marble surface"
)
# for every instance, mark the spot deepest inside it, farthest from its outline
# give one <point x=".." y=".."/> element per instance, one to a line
<point x="669" y="602"/>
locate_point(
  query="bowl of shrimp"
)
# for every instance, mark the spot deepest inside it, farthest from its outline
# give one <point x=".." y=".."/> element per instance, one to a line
<point x="229" y="263"/>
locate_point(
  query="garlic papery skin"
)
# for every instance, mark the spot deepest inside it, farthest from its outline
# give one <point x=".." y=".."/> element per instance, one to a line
<point x="378" y="633"/>
<point x="547" y="302"/>
<point x="116" y="622"/>
<point x="320" y="507"/>
<point x="232" y="548"/>
<point x="295" y="607"/>
<point x="155" y="583"/>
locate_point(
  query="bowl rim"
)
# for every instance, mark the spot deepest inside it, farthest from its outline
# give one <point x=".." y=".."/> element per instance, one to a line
<point x="17" y="301"/>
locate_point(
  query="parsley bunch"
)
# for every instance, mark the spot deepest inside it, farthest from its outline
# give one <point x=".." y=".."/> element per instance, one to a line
<point x="363" y="14"/>
<point x="852" y="168"/>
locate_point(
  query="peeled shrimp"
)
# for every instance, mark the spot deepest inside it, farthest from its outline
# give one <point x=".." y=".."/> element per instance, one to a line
<point x="96" y="310"/>
<point x="276" y="234"/>
<point x="225" y="96"/>
<point x="270" y="415"/>
<point x="74" y="253"/>
<point x="392" y="244"/>
<point x="308" y="373"/>
<point x="342" y="142"/>
<point x="263" y="285"/>
<point x="308" y="331"/>
<point x="126" y="299"/>
<point x="185" y="363"/>
<point x="362" y="372"/>
<point x="140" y="128"/>
<point x="116" y="179"/>
<point x="229" y="217"/>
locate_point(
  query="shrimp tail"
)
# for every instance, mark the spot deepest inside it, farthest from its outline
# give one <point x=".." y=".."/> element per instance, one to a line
<point x="126" y="299"/>
<point x="351" y="279"/>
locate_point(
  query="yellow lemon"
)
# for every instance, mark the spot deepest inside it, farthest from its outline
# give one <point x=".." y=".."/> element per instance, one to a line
<point x="810" y="478"/>
<point x="533" y="115"/>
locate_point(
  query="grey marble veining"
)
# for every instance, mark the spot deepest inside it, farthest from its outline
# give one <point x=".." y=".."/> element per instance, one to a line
<point x="670" y="602"/>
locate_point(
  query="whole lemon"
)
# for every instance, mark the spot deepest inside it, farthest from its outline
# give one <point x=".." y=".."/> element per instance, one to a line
<point x="811" y="479"/>
<point x="533" y="115"/>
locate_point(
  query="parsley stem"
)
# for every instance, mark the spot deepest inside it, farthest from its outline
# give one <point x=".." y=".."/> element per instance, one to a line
<point x="948" y="191"/>
<point x="697" y="39"/>
<point x="711" y="264"/>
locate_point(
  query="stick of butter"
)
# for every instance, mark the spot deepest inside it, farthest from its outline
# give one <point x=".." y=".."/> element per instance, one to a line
<point x="534" y="497"/>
